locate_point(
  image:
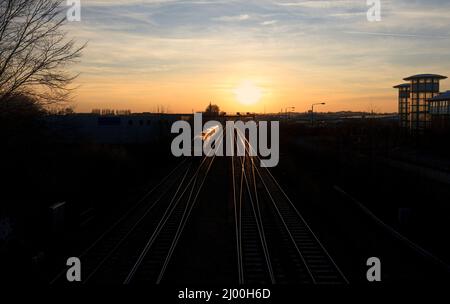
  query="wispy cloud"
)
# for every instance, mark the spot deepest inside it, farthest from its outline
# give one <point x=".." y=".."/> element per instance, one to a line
<point x="163" y="45"/>
<point x="269" y="22"/>
<point x="398" y="35"/>
<point x="232" y="18"/>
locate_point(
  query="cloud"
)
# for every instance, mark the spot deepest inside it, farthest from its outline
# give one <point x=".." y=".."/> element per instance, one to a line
<point x="233" y="18"/>
<point x="269" y="22"/>
<point x="317" y="3"/>
<point x="172" y="41"/>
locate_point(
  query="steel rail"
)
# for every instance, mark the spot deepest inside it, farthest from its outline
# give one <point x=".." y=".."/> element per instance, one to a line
<point x="160" y="226"/>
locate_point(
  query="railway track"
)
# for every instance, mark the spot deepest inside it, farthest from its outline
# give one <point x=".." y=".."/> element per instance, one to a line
<point x="274" y="242"/>
<point x="113" y="237"/>
<point x="154" y="258"/>
<point x="139" y="245"/>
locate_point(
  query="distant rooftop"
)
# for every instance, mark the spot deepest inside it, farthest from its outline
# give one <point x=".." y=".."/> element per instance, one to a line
<point x="425" y="76"/>
<point x="441" y="97"/>
<point x="403" y="85"/>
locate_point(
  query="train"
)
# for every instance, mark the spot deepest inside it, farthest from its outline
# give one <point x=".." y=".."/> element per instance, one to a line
<point x="207" y="135"/>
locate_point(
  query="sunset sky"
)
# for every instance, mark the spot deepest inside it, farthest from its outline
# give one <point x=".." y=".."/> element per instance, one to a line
<point x="275" y="53"/>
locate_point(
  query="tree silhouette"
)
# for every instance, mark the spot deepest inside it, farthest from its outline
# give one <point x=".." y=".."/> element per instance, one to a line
<point x="34" y="50"/>
<point x="212" y="109"/>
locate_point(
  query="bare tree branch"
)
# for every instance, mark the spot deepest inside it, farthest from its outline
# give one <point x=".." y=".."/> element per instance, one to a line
<point x="34" y="50"/>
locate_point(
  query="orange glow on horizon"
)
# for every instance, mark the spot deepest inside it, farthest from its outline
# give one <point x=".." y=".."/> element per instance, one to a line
<point x="186" y="95"/>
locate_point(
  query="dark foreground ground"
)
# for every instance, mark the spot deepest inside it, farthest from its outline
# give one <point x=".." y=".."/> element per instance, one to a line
<point x="361" y="198"/>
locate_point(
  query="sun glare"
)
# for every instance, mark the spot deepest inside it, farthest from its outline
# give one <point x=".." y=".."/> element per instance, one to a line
<point x="247" y="93"/>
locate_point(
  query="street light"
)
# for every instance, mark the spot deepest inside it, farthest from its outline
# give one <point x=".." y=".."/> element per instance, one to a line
<point x="312" y="111"/>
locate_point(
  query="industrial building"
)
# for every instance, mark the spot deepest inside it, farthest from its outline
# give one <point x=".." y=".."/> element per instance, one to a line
<point x="414" y="100"/>
<point x="142" y="128"/>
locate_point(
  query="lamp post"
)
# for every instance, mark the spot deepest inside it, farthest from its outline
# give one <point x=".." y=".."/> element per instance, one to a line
<point x="312" y="111"/>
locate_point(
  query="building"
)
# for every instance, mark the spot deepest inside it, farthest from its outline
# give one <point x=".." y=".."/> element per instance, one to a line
<point x="414" y="105"/>
<point x="440" y="111"/>
<point x="142" y="128"/>
<point x="403" y="103"/>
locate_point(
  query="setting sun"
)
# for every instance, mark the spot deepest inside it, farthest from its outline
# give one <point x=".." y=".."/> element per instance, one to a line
<point x="247" y="93"/>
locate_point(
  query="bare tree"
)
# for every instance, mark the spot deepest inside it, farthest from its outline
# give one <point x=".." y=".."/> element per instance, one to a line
<point x="34" y="50"/>
<point x="212" y="109"/>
